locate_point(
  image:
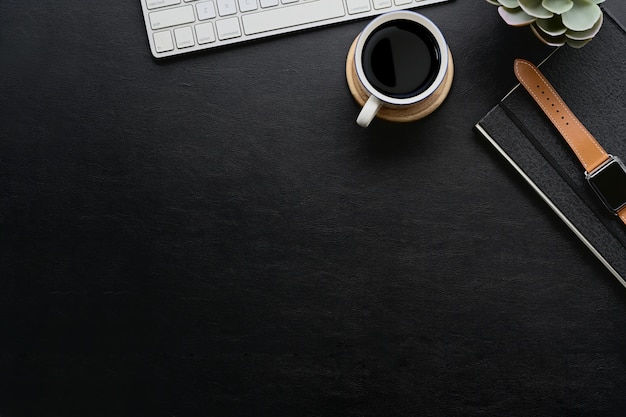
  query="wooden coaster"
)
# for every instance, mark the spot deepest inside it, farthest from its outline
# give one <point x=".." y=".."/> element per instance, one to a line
<point x="407" y="113"/>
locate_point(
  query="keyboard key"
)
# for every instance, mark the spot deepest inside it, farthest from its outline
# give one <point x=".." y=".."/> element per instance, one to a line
<point x="184" y="37"/>
<point x="247" y="5"/>
<point x="269" y="3"/>
<point x="155" y="4"/>
<point x="295" y="15"/>
<point x="172" y="17"/>
<point x="205" y="33"/>
<point x="381" y="4"/>
<point x="206" y="10"/>
<point x="226" y="7"/>
<point x="402" y="2"/>
<point x="358" y="6"/>
<point x="228" y="28"/>
<point x="163" y="41"/>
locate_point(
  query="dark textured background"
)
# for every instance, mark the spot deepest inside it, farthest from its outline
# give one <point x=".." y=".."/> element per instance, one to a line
<point x="214" y="236"/>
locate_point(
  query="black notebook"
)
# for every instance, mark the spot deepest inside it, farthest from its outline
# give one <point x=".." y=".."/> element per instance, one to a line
<point x="592" y="81"/>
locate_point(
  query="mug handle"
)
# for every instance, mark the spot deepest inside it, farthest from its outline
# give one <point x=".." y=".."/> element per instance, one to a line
<point x="368" y="112"/>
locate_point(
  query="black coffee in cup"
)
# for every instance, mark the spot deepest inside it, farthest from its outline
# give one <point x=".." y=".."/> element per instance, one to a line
<point x="401" y="58"/>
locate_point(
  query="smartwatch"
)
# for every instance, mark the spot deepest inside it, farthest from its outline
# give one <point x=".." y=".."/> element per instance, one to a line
<point x="605" y="173"/>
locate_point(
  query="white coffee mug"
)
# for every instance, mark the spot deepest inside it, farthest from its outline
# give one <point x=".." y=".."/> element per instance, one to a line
<point x="401" y="59"/>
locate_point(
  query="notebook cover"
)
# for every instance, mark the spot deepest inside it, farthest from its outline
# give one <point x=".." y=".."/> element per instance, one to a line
<point x="592" y="81"/>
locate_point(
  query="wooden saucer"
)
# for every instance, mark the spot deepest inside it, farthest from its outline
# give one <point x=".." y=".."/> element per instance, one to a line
<point x="407" y="113"/>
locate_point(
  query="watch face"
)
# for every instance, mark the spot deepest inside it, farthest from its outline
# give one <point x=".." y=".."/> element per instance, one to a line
<point x="609" y="182"/>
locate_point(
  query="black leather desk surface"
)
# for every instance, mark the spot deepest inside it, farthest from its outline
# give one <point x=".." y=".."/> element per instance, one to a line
<point x="214" y="235"/>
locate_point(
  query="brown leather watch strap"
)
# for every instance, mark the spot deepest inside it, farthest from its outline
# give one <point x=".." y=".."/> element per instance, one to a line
<point x="584" y="145"/>
<point x="589" y="152"/>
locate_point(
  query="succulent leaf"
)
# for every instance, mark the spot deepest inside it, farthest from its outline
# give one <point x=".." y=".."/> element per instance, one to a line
<point x="553" y="26"/>
<point x="509" y="4"/>
<point x="576" y="44"/>
<point x="586" y="34"/>
<point x="558" y="6"/>
<point x="535" y="9"/>
<point x="547" y="39"/>
<point x="515" y="17"/>
<point x="582" y="16"/>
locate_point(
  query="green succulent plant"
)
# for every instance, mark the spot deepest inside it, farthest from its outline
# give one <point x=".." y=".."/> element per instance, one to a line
<point x="555" y="22"/>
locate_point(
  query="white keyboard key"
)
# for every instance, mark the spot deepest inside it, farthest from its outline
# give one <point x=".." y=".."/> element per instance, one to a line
<point x="205" y="33"/>
<point x="226" y="7"/>
<point x="247" y="5"/>
<point x="289" y="1"/>
<point x="163" y="41"/>
<point x="155" y="4"/>
<point x="228" y="28"/>
<point x="269" y="3"/>
<point x="206" y="10"/>
<point x="402" y="2"/>
<point x="172" y="17"/>
<point x="358" y="6"/>
<point x="184" y="37"/>
<point x="381" y="4"/>
<point x="298" y="14"/>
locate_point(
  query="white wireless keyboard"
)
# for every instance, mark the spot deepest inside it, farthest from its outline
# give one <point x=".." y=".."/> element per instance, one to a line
<point x="179" y="26"/>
